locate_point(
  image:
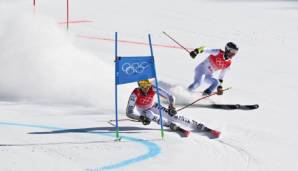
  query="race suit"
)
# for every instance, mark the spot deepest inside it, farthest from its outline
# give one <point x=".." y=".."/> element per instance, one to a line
<point x="205" y="70"/>
<point x="146" y="106"/>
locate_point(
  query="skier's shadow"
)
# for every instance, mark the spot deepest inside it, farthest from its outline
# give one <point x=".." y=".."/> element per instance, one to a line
<point x="212" y="106"/>
<point x="227" y="106"/>
<point x="92" y="130"/>
<point x="124" y="129"/>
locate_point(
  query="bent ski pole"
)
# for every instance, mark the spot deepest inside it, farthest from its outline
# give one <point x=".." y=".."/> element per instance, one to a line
<point x="176" y="42"/>
<point x="204" y="97"/>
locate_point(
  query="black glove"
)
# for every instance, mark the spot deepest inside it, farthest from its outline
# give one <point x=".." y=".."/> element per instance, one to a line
<point x="145" y="120"/>
<point x="219" y="90"/>
<point x="171" y="110"/>
<point x="220" y="81"/>
<point x="194" y="53"/>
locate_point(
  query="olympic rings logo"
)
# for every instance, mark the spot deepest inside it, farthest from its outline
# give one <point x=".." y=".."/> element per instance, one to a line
<point x="220" y="64"/>
<point x="132" y="68"/>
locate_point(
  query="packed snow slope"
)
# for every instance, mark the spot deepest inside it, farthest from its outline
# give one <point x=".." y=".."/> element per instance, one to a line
<point x="57" y="85"/>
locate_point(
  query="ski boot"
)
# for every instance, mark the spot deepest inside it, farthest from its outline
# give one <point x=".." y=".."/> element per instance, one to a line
<point x="206" y="92"/>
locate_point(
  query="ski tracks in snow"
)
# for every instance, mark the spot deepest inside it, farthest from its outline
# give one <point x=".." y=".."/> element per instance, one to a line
<point x="247" y="157"/>
<point x="229" y="153"/>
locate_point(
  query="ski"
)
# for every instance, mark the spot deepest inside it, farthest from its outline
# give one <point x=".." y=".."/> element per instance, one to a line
<point x="182" y="132"/>
<point x="249" y="107"/>
<point x="210" y="133"/>
<point x="235" y="106"/>
<point x="194" y="125"/>
<point x="213" y="134"/>
<point x="201" y="98"/>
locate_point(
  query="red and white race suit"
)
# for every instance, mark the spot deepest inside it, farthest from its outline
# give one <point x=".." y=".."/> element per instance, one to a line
<point x="205" y="70"/>
<point x="145" y="105"/>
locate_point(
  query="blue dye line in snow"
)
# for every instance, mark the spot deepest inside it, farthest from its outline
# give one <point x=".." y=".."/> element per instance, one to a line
<point x="153" y="149"/>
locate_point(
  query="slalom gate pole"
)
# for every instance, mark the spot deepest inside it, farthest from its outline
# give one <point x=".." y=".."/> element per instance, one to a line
<point x="158" y="95"/>
<point x="175" y="41"/>
<point x="34" y="6"/>
<point x="116" y="89"/>
<point x="67" y="14"/>
<point x="204" y="97"/>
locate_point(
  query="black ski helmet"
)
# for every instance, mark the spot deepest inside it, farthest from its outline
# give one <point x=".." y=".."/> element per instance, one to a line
<point x="230" y="50"/>
<point x="231" y="46"/>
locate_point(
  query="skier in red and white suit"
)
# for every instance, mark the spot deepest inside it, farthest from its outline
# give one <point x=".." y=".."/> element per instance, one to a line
<point x="218" y="60"/>
<point x="143" y="99"/>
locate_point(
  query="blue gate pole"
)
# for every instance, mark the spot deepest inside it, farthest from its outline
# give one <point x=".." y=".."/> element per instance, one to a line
<point x="158" y="96"/>
<point x="116" y="90"/>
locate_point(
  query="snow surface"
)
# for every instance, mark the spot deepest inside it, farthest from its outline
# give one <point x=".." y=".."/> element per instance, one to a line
<point x="57" y="86"/>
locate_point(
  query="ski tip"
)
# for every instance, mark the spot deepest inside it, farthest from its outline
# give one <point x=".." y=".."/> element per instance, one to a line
<point x="214" y="134"/>
<point x="186" y="133"/>
<point x="250" y="107"/>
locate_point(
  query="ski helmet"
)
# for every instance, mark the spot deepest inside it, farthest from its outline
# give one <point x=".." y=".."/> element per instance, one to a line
<point x="230" y="46"/>
<point x="144" y="84"/>
<point x="230" y="50"/>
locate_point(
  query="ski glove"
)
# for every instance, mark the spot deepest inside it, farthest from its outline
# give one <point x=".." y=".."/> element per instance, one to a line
<point x="220" y="81"/>
<point x="171" y="110"/>
<point x="201" y="49"/>
<point x="196" y="51"/>
<point x="219" y="90"/>
<point x="145" y="120"/>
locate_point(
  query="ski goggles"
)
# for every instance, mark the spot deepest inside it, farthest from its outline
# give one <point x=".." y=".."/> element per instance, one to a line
<point x="232" y="51"/>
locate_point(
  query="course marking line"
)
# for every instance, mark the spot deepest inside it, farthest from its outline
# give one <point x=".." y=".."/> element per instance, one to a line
<point x="75" y="22"/>
<point x="130" y="42"/>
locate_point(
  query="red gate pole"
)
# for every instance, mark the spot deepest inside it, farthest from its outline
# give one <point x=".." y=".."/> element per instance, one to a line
<point x="67" y="13"/>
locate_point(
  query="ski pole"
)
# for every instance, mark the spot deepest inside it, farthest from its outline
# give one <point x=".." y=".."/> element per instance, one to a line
<point x="175" y="41"/>
<point x="204" y="97"/>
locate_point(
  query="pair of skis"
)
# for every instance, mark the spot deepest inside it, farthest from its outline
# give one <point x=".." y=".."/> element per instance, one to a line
<point x="211" y="133"/>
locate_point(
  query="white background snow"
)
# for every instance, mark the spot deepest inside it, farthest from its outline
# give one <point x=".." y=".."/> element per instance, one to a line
<point x="57" y="85"/>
